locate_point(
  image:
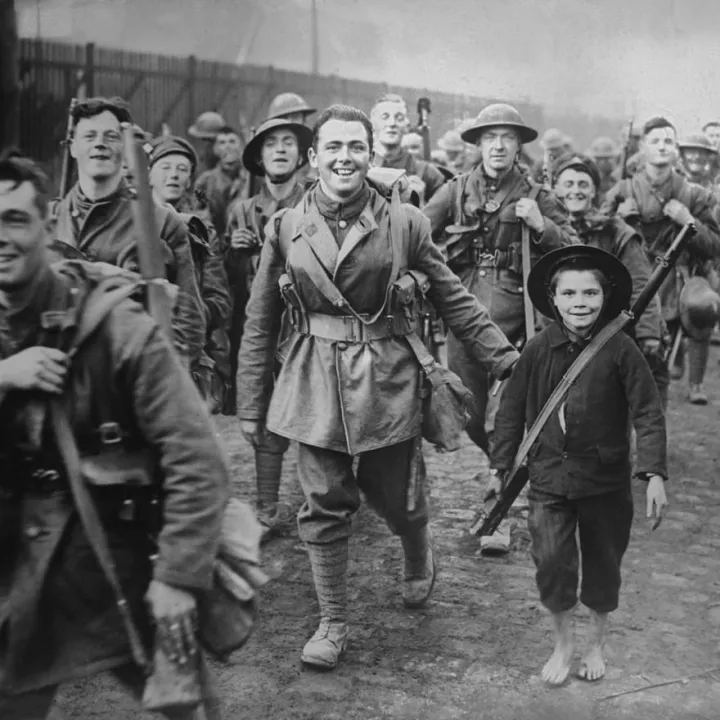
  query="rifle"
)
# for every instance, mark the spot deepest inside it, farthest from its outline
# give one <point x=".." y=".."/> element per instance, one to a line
<point x="487" y="521"/>
<point x="423" y="126"/>
<point x="149" y="249"/>
<point x="67" y="161"/>
<point x="624" y="174"/>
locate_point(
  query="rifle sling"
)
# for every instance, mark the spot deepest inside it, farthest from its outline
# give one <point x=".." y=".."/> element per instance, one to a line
<point x="583" y="360"/>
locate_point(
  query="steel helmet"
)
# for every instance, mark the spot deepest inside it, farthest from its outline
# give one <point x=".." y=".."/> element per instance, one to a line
<point x="699" y="308"/>
<point x="496" y="115"/>
<point x="698" y="142"/>
<point x="603" y="147"/>
<point x="207" y="125"/>
<point x="288" y="103"/>
<point x="451" y="141"/>
<point x="252" y="150"/>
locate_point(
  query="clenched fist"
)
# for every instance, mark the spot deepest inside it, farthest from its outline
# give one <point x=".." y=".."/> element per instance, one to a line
<point x="528" y="211"/>
<point x="36" y="368"/>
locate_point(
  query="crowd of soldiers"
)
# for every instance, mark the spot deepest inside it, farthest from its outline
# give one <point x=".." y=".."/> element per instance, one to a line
<point x="287" y="250"/>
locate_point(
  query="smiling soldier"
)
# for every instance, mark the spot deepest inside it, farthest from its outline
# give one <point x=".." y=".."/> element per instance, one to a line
<point x="348" y="383"/>
<point x="276" y="153"/>
<point x="488" y="208"/>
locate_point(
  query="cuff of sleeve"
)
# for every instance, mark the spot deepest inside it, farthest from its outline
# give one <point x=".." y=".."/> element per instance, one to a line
<point x="645" y="476"/>
<point x="503" y="371"/>
<point x="185" y="581"/>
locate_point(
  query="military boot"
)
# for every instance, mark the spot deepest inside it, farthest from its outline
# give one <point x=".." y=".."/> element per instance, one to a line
<point x="329" y="567"/>
<point x="419" y="567"/>
<point x="697" y="395"/>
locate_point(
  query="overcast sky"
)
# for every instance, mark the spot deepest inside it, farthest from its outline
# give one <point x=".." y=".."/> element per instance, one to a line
<point x="612" y="57"/>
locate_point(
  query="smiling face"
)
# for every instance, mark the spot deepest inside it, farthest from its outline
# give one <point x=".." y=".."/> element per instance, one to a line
<point x="342" y="157"/>
<point x="228" y="148"/>
<point x="23" y="235"/>
<point x="390" y="122"/>
<point x="578" y="296"/>
<point x="697" y="160"/>
<point x="499" y="147"/>
<point x="97" y="145"/>
<point x="280" y="154"/>
<point x="660" y="147"/>
<point x="170" y="177"/>
<point x="576" y="190"/>
<point x="712" y="133"/>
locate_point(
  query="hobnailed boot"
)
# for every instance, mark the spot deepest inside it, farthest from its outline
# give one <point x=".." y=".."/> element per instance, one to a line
<point x="329" y="567"/>
<point x="419" y="568"/>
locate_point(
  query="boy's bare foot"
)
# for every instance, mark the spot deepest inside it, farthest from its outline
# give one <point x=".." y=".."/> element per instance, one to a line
<point x="557" y="668"/>
<point x="592" y="666"/>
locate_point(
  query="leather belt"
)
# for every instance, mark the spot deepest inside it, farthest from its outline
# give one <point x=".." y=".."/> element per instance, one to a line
<point x="346" y="328"/>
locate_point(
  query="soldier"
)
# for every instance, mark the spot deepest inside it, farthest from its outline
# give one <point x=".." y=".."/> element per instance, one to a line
<point x="224" y="184"/>
<point x="96" y="215"/>
<point x="205" y="129"/>
<point x="276" y="152"/>
<point x="348" y="384"/>
<point x="390" y="123"/>
<point x="605" y="154"/>
<point x="577" y="187"/>
<point x="172" y="167"/>
<point x="554" y="147"/>
<point x="657" y="201"/>
<point x="698" y="157"/>
<point x="291" y="107"/>
<point x="487" y="209"/>
<point x="137" y="421"/>
<point x="712" y="133"/>
<point x="455" y="149"/>
<point x="413" y="144"/>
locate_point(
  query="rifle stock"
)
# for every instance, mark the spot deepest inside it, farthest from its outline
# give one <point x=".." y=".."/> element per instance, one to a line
<point x="423" y="110"/>
<point x="488" y="520"/>
<point x="149" y="249"/>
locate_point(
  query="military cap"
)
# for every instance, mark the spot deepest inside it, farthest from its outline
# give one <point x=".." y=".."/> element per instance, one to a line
<point x="172" y="145"/>
<point x="207" y="125"/>
<point x="581" y="163"/>
<point x="288" y="103"/>
<point x="251" y="154"/>
<point x="711" y="123"/>
<point x="699" y="308"/>
<point x="580" y="257"/>
<point x="498" y="115"/>
<point x="603" y="147"/>
<point x="451" y="141"/>
<point x="696" y="141"/>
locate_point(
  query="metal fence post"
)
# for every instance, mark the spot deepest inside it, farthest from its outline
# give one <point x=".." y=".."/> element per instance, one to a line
<point x="191" y="80"/>
<point x="89" y="78"/>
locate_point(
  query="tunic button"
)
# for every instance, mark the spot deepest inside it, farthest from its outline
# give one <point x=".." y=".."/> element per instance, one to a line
<point x="564" y="456"/>
<point x="520" y="289"/>
<point x="482" y="273"/>
<point x="342" y="346"/>
<point x="486" y="230"/>
<point x="342" y="224"/>
<point x="32" y="532"/>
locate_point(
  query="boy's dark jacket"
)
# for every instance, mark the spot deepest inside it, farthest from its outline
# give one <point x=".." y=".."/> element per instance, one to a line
<point x="593" y="455"/>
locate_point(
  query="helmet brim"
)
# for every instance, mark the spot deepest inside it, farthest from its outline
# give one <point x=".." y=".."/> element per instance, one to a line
<point x="525" y="132"/>
<point x="251" y="154"/>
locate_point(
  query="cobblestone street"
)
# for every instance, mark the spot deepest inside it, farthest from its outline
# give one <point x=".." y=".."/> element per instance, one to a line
<point x="475" y="652"/>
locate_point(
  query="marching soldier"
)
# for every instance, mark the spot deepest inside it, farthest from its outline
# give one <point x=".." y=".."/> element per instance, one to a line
<point x="554" y="147"/>
<point x="455" y="150"/>
<point x="276" y="152"/>
<point x="205" y="130"/>
<point x="577" y="187"/>
<point x="172" y="167"/>
<point x="221" y="186"/>
<point x="412" y="142"/>
<point x="138" y="423"/>
<point x="698" y="157"/>
<point x="348" y="383"/>
<point x="390" y="121"/>
<point x="478" y="219"/>
<point x="605" y="153"/>
<point x="96" y="215"/>
<point x="657" y="201"/>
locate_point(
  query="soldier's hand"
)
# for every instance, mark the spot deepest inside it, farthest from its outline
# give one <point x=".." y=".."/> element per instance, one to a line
<point x="494" y="487"/>
<point x="175" y="613"/>
<point x="36" y="368"/>
<point x="243" y="239"/>
<point x="415" y="184"/>
<point x="528" y="211"/>
<point x="252" y="430"/>
<point x="677" y="212"/>
<point x="656" y="499"/>
<point x="650" y="346"/>
<point x="628" y="208"/>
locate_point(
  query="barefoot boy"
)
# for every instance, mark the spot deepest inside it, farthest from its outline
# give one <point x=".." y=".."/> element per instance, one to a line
<point x="580" y="465"/>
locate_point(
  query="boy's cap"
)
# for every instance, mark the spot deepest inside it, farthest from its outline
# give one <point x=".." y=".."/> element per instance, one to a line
<point x="581" y="257"/>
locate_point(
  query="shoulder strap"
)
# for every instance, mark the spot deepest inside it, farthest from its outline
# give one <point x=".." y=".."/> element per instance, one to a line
<point x="92" y="524"/>
<point x="572" y="374"/>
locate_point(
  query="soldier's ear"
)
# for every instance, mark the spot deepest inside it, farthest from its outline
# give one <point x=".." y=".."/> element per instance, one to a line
<point x="312" y="157"/>
<point x="73" y="148"/>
